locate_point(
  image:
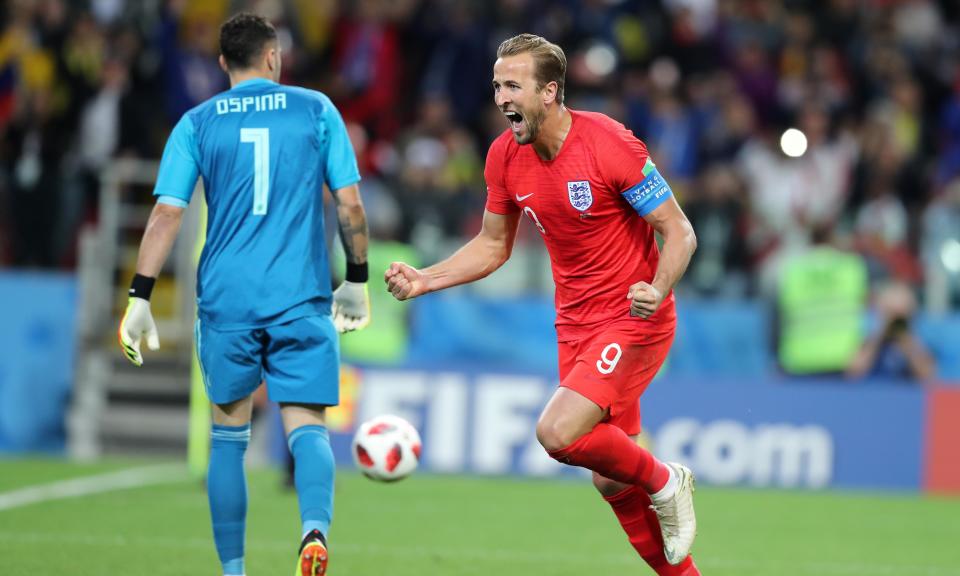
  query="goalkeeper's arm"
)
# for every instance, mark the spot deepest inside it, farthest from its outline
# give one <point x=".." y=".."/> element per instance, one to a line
<point x="351" y="302"/>
<point x="137" y="322"/>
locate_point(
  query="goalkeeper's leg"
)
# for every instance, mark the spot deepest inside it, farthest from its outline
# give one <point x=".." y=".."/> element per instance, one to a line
<point x="314" y="469"/>
<point x="303" y="376"/>
<point x="227" y="484"/>
<point x="230" y="368"/>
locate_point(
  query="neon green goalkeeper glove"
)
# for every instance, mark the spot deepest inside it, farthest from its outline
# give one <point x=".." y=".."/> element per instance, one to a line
<point x="351" y="306"/>
<point x="136" y="322"/>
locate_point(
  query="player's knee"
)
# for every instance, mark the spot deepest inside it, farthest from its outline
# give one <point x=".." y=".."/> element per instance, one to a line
<point x="553" y="435"/>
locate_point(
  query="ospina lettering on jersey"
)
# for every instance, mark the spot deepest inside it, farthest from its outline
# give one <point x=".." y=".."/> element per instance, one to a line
<point x="261" y="103"/>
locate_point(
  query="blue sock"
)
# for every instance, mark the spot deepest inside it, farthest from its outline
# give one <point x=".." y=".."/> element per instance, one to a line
<point x="227" y="493"/>
<point x="313" y="476"/>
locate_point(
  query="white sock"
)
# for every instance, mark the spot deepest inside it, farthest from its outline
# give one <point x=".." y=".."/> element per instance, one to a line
<point x="669" y="489"/>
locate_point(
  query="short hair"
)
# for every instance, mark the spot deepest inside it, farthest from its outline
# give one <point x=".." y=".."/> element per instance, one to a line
<point x="243" y="37"/>
<point x="551" y="62"/>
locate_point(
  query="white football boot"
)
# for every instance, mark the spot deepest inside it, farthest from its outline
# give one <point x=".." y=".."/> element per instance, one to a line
<point x="678" y="523"/>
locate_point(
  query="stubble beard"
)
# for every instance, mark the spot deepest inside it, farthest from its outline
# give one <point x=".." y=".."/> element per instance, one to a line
<point x="533" y="128"/>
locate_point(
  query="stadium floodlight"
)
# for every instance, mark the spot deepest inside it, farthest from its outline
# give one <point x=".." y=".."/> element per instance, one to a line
<point x="793" y="142"/>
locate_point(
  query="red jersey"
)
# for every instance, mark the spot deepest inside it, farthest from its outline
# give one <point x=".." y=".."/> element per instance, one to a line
<point x="599" y="245"/>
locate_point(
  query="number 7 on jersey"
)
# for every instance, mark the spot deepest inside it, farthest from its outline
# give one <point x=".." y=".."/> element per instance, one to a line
<point x="260" y="138"/>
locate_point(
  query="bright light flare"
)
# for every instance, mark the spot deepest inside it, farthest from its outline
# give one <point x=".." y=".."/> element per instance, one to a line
<point x="793" y="143"/>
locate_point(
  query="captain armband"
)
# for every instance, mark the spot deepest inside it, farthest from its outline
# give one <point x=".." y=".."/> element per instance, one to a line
<point x="646" y="196"/>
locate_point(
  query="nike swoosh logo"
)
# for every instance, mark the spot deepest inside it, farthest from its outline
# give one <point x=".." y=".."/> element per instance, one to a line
<point x="522" y="198"/>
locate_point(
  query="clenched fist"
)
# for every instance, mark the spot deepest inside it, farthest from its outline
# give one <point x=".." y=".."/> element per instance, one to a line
<point x="644" y="299"/>
<point x="404" y="281"/>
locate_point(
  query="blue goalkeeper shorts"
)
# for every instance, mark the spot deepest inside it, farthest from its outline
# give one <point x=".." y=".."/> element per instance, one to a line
<point x="299" y="360"/>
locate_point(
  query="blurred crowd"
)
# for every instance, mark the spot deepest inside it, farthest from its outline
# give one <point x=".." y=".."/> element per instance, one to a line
<point x="709" y="85"/>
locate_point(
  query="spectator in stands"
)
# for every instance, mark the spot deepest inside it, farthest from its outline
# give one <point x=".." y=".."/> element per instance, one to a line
<point x="730" y="124"/>
<point x="940" y="247"/>
<point x="367" y="67"/>
<point x="459" y="52"/>
<point x="822" y="297"/>
<point x="715" y="209"/>
<point x="99" y="134"/>
<point x="880" y="232"/>
<point x="187" y="41"/>
<point x="790" y="196"/>
<point x="35" y="150"/>
<point x="672" y="134"/>
<point x="893" y="350"/>
<point x="948" y="166"/>
<point x="440" y="172"/>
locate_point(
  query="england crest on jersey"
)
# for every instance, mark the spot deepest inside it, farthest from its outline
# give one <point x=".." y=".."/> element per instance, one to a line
<point x="580" y="195"/>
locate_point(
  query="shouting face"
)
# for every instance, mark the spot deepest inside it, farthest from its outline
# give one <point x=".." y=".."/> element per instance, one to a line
<point x="518" y="97"/>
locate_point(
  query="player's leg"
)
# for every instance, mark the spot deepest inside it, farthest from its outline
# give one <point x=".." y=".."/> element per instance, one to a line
<point x="572" y="430"/>
<point x="631" y="505"/>
<point x="227" y="484"/>
<point x="303" y="375"/>
<point x="313" y="477"/>
<point x="230" y="365"/>
<point x="579" y="427"/>
<point x="571" y="427"/>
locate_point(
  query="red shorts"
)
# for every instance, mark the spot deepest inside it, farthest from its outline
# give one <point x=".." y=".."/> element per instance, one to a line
<point x="612" y="368"/>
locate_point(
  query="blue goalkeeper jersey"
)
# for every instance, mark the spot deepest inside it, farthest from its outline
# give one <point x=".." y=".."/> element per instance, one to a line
<point x="264" y="151"/>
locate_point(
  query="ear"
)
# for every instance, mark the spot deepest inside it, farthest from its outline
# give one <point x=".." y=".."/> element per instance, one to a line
<point x="549" y="93"/>
<point x="223" y="64"/>
<point x="271" y="56"/>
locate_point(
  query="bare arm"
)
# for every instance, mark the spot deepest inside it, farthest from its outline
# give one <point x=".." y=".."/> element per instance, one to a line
<point x="865" y="357"/>
<point x="353" y="223"/>
<point x="479" y="257"/>
<point x="351" y="301"/>
<point x="162" y="229"/>
<point x="679" y="244"/>
<point x="922" y="365"/>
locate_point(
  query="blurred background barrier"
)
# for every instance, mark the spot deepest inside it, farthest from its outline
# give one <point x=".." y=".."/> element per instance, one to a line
<point x="821" y="433"/>
<point x="38" y="323"/>
<point x="715" y="339"/>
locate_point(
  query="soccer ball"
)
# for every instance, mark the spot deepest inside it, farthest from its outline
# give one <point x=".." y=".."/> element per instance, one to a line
<point x="386" y="448"/>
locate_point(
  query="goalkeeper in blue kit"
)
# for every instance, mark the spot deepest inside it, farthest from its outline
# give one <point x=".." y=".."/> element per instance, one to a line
<point x="266" y="309"/>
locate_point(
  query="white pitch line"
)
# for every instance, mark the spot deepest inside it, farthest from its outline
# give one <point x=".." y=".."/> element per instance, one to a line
<point x="109" y="482"/>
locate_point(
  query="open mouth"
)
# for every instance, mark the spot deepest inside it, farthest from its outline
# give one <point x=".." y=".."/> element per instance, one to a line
<point x="515" y="119"/>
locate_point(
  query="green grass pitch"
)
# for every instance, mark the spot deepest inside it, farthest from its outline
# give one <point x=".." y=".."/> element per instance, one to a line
<point x="441" y="525"/>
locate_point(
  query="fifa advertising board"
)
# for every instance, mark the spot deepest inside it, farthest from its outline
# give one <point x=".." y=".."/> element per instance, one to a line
<point x="798" y="434"/>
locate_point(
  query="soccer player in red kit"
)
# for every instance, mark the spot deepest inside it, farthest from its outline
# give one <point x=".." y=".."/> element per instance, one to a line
<point x="590" y="188"/>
